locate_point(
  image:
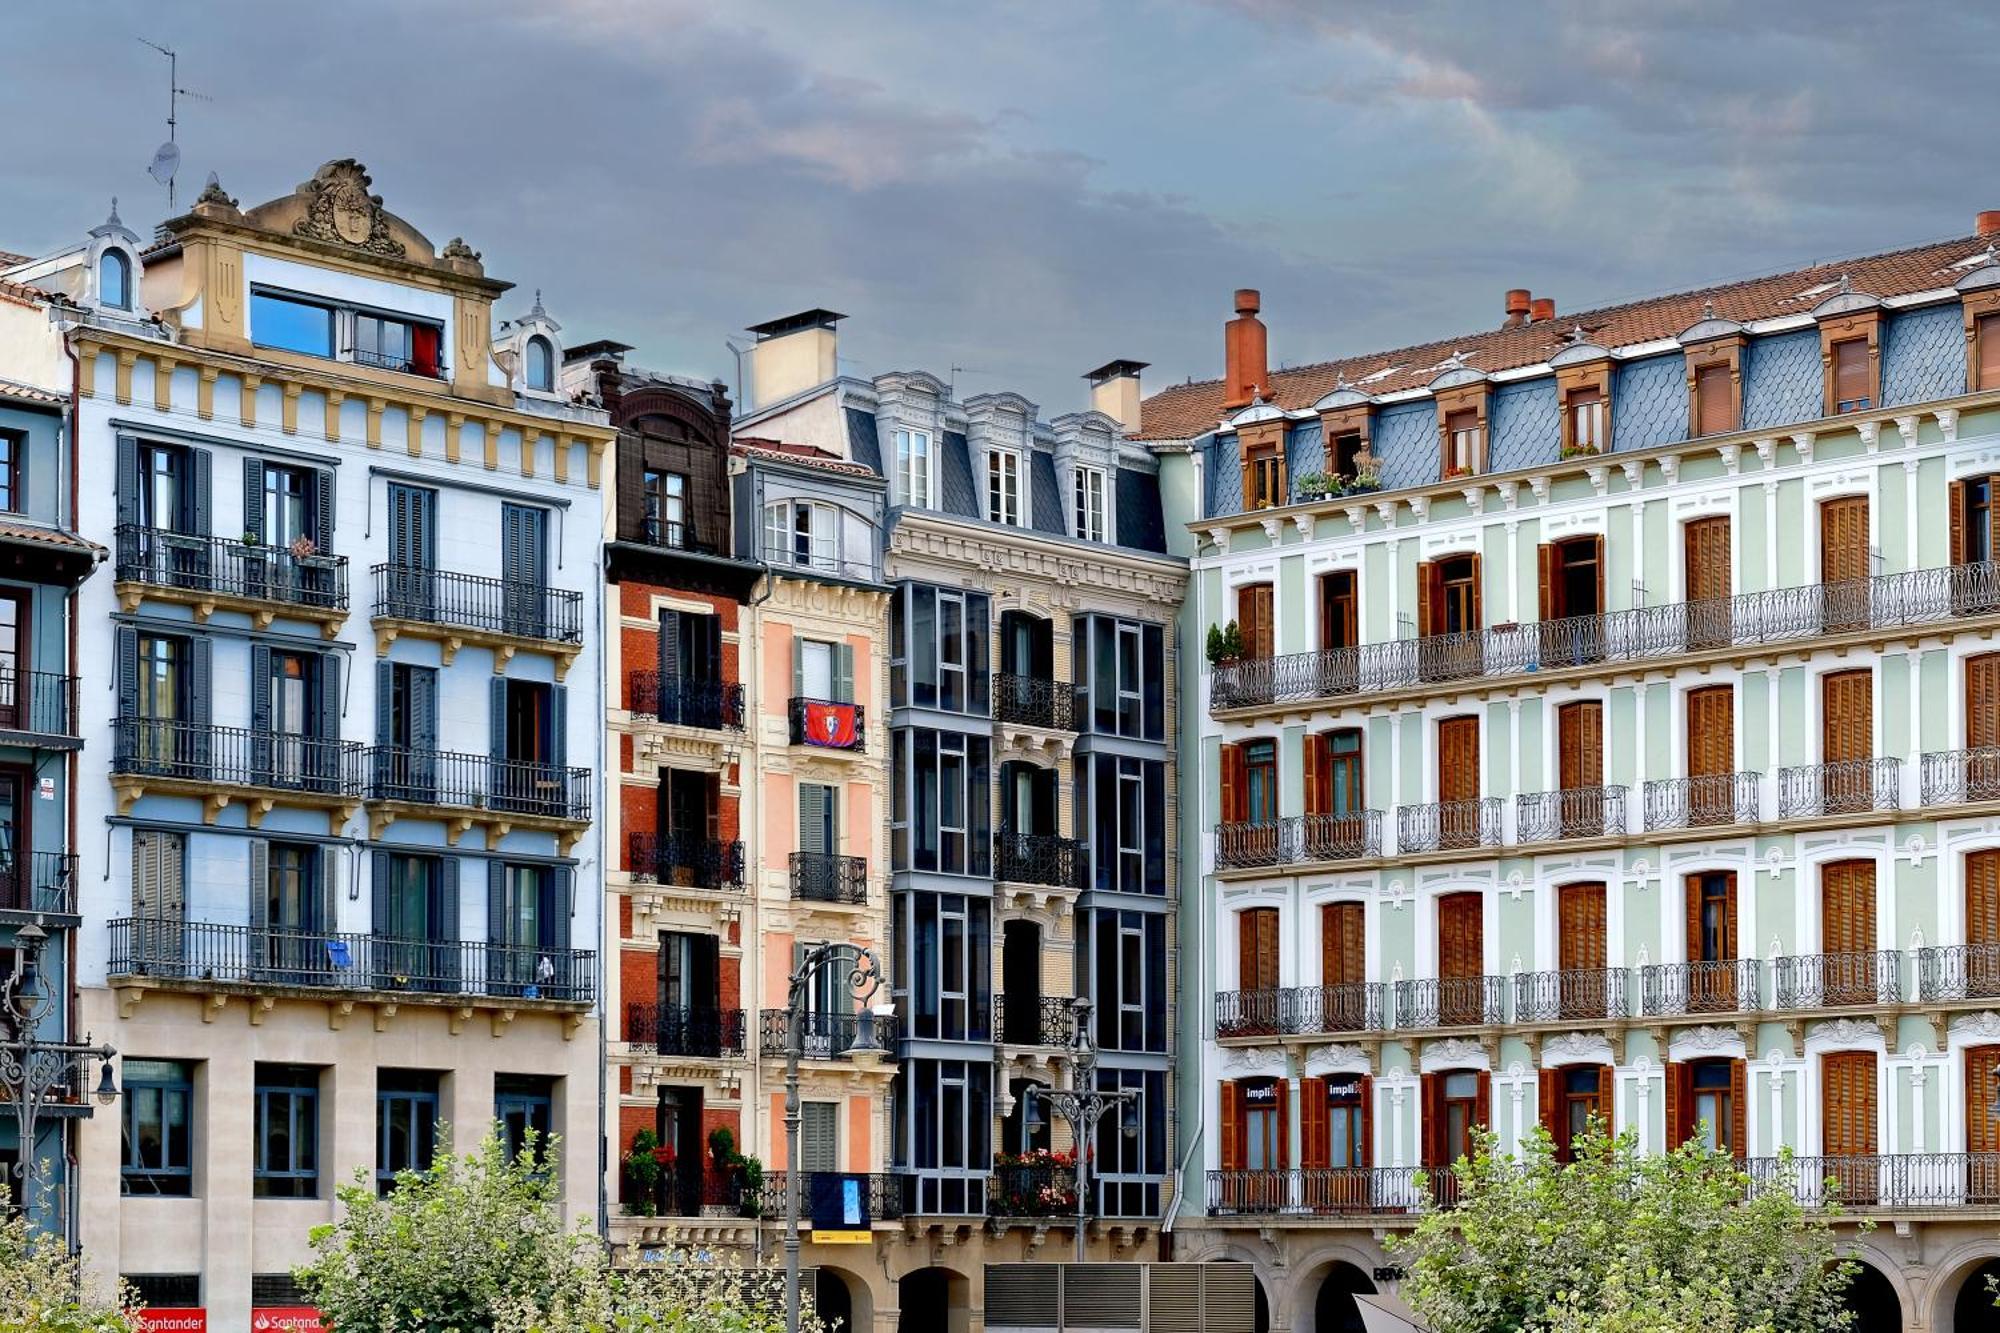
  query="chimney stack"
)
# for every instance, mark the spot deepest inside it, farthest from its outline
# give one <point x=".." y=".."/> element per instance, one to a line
<point x="791" y="355"/>
<point x="1246" y="353"/>
<point x="1987" y="224"/>
<point x="1542" y="309"/>
<point x="1114" y="391"/>
<point x="1517" y="308"/>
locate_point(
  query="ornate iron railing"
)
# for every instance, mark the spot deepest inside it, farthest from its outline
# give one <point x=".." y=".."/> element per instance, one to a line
<point x="1034" y="702"/>
<point x="1038" y="1190"/>
<point x="1577" y="812"/>
<point x="1900" y="1182"/>
<point x="38" y="882"/>
<point x="684" y="860"/>
<point x="431" y="368"/>
<point x="1840" y="787"/>
<point x="1448" y="1002"/>
<point x="822" y="1036"/>
<point x="1035" y="1020"/>
<point x="1039" y="858"/>
<point x="203" y="952"/>
<point x="1344" y="1007"/>
<point x="230" y="567"/>
<point x="1829" y="980"/>
<point x="678" y="1029"/>
<point x="1727" y="987"/>
<point x="1297" y="838"/>
<point x="236" y="756"/>
<point x="42" y="702"/>
<point x="1701" y="801"/>
<point x="882" y="1191"/>
<point x="1958" y="972"/>
<point x="460" y="781"/>
<point x="1570" y="994"/>
<point x="684" y="701"/>
<point x="1449" y="825"/>
<point x="829" y="723"/>
<point x="475" y="602"/>
<point x="1955" y="777"/>
<point x="820" y="877"/>
<point x="1331" y="1192"/>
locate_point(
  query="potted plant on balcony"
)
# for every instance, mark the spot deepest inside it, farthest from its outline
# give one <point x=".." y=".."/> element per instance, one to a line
<point x="644" y="1169"/>
<point x="1367" y="474"/>
<point x="1579" y="451"/>
<point x="1224" y="644"/>
<point x="1320" y="486"/>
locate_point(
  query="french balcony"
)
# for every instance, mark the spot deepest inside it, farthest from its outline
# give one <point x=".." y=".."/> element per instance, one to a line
<point x="1444" y="826"/>
<point x="467" y="789"/>
<point x="1039" y="858"/>
<point x="430" y="367"/>
<point x="1840" y="787"/>
<point x="230" y="574"/>
<point x="37" y="884"/>
<point x="1563" y="816"/>
<point x="1958" y="972"/>
<point x="1834" y="980"/>
<point x="820" y="1193"/>
<point x="1032" y="1189"/>
<point x="829" y="724"/>
<point x="685" y="861"/>
<point x="455" y="609"/>
<point x="221" y="765"/>
<point x="1329" y="1192"/>
<point x="822" y="877"/>
<point x="1893" y="1183"/>
<point x="1030" y="701"/>
<point x="204" y="954"/>
<point x="1707" y="800"/>
<point x="673" y="1029"/>
<point x="712" y="705"/>
<point x="1451" y="1002"/>
<point x="1298" y="838"/>
<point x="1357" y="1006"/>
<point x="1035" y="1020"/>
<point x="821" y="1036"/>
<point x="1960" y="777"/>
<point x="1749" y="621"/>
<point x="676" y="535"/>
<point x="38" y="708"/>
<point x="1575" y="994"/>
<point x="1680" y="989"/>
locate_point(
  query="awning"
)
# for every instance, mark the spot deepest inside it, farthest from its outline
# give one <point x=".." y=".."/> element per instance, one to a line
<point x="1386" y="1314"/>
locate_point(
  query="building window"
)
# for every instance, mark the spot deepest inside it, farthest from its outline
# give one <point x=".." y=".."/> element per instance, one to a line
<point x="944" y="1133"/>
<point x="1260" y="781"/>
<point x="1986" y="333"/>
<point x="802" y="533"/>
<point x="1003" y="487"/>
<point x="947" y="964"/>
<point x="1122" y="671"/>
<point x="114" y="280"/>
<point x="1263" y="476"/>
<point x="396" y="344"/>
<point x="913" y="468"/>
<point x="1586" y="420"/>
<point x="939" y="653"/>
<point x="291" y="325"/>
<point x="541" y="365"/>
<point x="1346" y="1122"/>
<point x="406" y="1116"/>
<point x="1460" y="1098"/>
<point x="1713" y="1111"/>
<point x="1464" y="443"/>
<point x="12" y="446"/>
<point x="1125" y="809"/>
<point x="1346" y="454"/>
<point x="1131" y="1148"/>
<point x="1263" y="1125"/>
<point x="1715" y="400"/>
<point x="940" y="802"/>
<point x="1125" y="955"/>
<point x="287" y="1129"/>
<point x="664" y="495"/>
<point x="1090" y="516"/>
<point x="1580" y="1101"/>
<point x="159" y="1128"/>
<point x="1852" y="391"/>
<point x="524" y="1105"/>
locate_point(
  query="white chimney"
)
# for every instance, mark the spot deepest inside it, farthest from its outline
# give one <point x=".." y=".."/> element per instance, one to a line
<point x="791" y="355"/>
<point x="1114" y="391"/>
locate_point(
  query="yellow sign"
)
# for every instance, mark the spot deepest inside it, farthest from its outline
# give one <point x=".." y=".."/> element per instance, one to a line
<point x="842" y="1237"/>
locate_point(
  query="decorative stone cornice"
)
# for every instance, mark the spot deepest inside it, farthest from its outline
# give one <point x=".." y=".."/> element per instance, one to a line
<point x="1145" y="578"/>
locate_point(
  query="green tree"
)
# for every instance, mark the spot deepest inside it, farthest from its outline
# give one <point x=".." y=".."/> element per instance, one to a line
<point x="1620" y="1241"/>
<point x="42" y="1289"/>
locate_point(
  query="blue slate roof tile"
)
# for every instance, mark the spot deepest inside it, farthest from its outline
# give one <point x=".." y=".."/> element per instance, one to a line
<point x="1923" y="355"/>
<point x="862" y="445"/>
<point x="1649" y="402"/>
<point x="1406" y="444"/>
<point x="1141" y="524"/>
<point x="1225" y="476"/>
<point x="1045" y="510"/>
<point x="1782" y="380"/>
<point x="956" y="494"/>
<point x="1525" y="424"/>
<point x="1305" y="453"/>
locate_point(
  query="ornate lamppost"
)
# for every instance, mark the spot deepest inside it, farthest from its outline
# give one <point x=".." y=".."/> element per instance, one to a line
<point x="35" y="1073"/>
<point x="1083" y="1105"/>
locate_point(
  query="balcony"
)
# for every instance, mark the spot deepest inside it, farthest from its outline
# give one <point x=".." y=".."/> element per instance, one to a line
<point x="467" y="789"/>
<point x="1840" y="787"/>
<point x="1562" y="816"/>
<point x="1960" y="777"/>
<point x="38" y="708"/>
<point x="459" y="609"/>
<point x="1032" y="1189"/>
<point x="1644" y="634"/>
<point x="1302" y="1010"/>
<point x="1675" y="989"/>
<point x="1896" y="1183"/>
<point x="1449" y="825"/>
<point x="225" y="573"/>
<point x="1958" y="972"/>
<point x="1570" y="995"/>
<point x="1029" y="701"/>
<point x="1298" y="838"/>
<point x="682" y="701"/>
<point x="1328" y="1192"/>
<point x="821" y="1036"/>
<point x="1035" y="1020"/>
<point x="684" y="861"/>
<point x="1834" y="980"/>
<point x="1038" y="858"/>
<point x="429" y="367"/>
<point x="882" y="1194"/>
<point x="1451" y="1002"/>
<point x="821" y="877"/>
<point x="676" y="535"/>
<point x="205" y="955"/>
<point x="829" y="724"/>
<point x="673" y="1029"/>
<point x="36" y="884"/>
<point x="1707" y="800"/>
<point x="262" y="769"/>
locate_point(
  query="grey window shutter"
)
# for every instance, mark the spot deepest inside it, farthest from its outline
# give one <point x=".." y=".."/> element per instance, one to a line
<point x="496" y="903"/>
<point x="497" y="718"/>
<point x="565" y="913"/>
<point x="812" y="817"/>
<point x="128" y="479"/>
<point x="128" y="671"/>
<point x="819" y="1148"/>
<point x="833" y="819"/>
<point x="378" y="892"/>
<point x="260" y="886"/>
<point x="173" y="875"/>
<point x="385" y="703"/>
<point x="323" y="496"/>
<point x="253" y="496"/>
<point x="555" y="907"/>
<point x="798" y="667"/>
<point x="260" y="711"/>
<point x="448" y="908"/>
<point x="329" y="696"/>
<point x="329" y="889"/>
<point x="198" y="463"/>
<point x="843" y="672"/>
<point x="670" y="644"/>
<point x="559" y="725"/>
<point x="199" y="661"/>
<point x="423" y="707"/>
<point x="145" y="873"/>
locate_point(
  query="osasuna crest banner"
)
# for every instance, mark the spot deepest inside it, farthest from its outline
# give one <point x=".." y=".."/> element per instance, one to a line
<point x="830" y="725"/>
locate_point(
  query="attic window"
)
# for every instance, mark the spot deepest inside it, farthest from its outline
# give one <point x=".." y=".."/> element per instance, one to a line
<point x="1465" y="443"/>
<point x="1586" y="420"/>
<point x="541" y="365"/>
<point x="1851" y="391"/>
<point x="114" y="280"/>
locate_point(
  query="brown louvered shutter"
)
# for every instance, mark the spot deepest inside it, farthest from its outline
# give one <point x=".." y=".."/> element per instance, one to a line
<point x="1580" y="943"/>
<point x="1318" y="774"/>
<point x="1235" y="786"/>
<point x="1607" y="1097"/>
<point x="1458" y="758"/>
<point x="1432" y="1088"/>
<point x="1677" y="1104"/>
<point x="1315" y="1148"/>
<point x="1482" y="1109"/>
<point x="1847" y="907"/>
<point x="1545" y="571"/>
<point x="1257" y="947"/>
<point x="1847" y="1109"/>
<point x="1283" y="1091"/>
<point x="1478" y="618"/>
<point x="1461" y="936"/>
<point x="1694" y="937"/>
<point x="1713" y="400"/>
<point x="1982" y="1131"/>
<point x="1580" y="751"/>
<point x="1254" y="618"/>
<point x="1598" y="542"/>
<point x="1982" y="897"/>
<point x="1851" y="390"/>
<point x="1739" y="1109"/>
<point x="1548" y="1104"/>
<point x="1707" y="557"/>
<point x="1711" y="731"/>
<point x="1232" y="1144"/>
<point x="1987" y="332"/>
<point x="1956" y="507"/>
<point x="1343" y="944"/>
<point x="1366" y="1088"/>
<point x="1847" y="701"/>
<point x="1982" y="701"/>
<point x="1430" y="597"/>
<point x="1843" y="539"/>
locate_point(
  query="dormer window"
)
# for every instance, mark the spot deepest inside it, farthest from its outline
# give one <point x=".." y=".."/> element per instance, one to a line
<point x="913" y="468"/>
<point x="1090" y="520"/>
<point x="1345" y="453"/>
<point x="1003" y="487"/>
<point x="292" y="323"/>
<point x="541" y="365"/>
<point x="114" y="280"/>
<point x="1851" y="390"/>
<point x="1465" y="443"/>
<point x="1586" y="420"/>
<point x="395" y="344"/>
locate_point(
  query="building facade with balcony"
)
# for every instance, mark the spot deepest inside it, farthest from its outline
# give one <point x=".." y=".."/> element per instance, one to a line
<point x="1612" y="733"/>
<point x="337" y="860"/>
<point x="1028" y="709"/>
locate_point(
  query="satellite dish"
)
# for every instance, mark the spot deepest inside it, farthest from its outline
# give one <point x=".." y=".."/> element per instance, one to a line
<point x="165" y="163"/>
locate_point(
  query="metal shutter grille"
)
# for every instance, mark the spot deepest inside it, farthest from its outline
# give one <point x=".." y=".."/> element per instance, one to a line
<point x="1022" y="1296"/>
<point x="1228" y="1298"/>
<point x="1173" y="1298"/>
<point x="1101" y="1296"/>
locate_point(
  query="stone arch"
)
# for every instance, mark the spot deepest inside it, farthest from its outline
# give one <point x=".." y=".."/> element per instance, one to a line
<point x="934" y="1300"/>
<point x="1876" y="1304"/>
<point x="846" y="1296"/>
<point x="1964" y="1302"/>
<point x="1324" y="1301"/>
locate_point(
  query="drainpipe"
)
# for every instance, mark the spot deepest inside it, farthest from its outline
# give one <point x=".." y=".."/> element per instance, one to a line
<point x="72" y="425"/>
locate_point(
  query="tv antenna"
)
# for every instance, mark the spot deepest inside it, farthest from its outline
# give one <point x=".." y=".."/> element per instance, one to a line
<point x="167" y="157"/>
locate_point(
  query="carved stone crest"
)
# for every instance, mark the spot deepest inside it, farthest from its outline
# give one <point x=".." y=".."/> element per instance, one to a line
<point x="1704" y="1039"/>
<point x="1572" y="1047"/>
<point x="341" y="210"/>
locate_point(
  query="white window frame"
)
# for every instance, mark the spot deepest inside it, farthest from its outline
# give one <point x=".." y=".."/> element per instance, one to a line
<point x="781" y="518"/>
<point x="913" y="468"/>
<point x="1092" y="520"/>
<point x="1003" y="487"/>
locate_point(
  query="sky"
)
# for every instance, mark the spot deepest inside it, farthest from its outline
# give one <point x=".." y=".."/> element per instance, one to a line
<point x="1011" y="192"/>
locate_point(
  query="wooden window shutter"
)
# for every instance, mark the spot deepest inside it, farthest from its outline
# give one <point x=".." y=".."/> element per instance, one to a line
<point x="1982" y="1132"/>
<point x="1315" y="1148"/>
<point x="1581" y="941"/>
<point x="1319" y="780"/>
<point x="1232" y="1144"/>
<point x="1458" y="758"/>
<point x="1431" y="1098"/>
<point x="1956" y="506"/>
<point x="1982" y="701"/>
<point x="1729" y="917"/>
<point x="1982" y="897"/>
<point x="1677" y="1104"/>
<point x="1461" y="935"/>
<point x="1482" y="1108"/>
<point x="1284" y="1099"/>
<point x="1986" y="333"/>
<point x="1343" y="944"/>
<point x="1850" y="375"/>
<point x="1711" y="731"/>
<point x="1712" y="395"/>
<point x="1246" y="464"/>
<point x="1706" y="555"/>
<point x="1847" y="907"/>
<point x="1366" y="1087"/>
<point x="1843" y="539"/>
<point x="1694" y="919"/>
<point x="1545" y="569"/>
<point x="1607" y="1098"/>
<point x="1257" y="945"/>
<point x="1580" y="745"/>
<point x="1430" y="596"/>
<point x="1847" y="1103"/>
<point x="1847" y="724"/>
<point x="1478" y="596"/>
<point x="1739" y="1108"/>
<point x="1235" y="785"/>
<point x="1548" y="1103"/>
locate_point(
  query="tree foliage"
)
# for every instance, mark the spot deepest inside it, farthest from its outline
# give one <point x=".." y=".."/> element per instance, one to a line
<point x="1620" y="1241"/>
<point x="42" y="1289"/>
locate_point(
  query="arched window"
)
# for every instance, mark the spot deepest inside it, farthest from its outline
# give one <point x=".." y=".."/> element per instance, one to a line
<point x="114" y="280"/>
<point x="541" y="365"/>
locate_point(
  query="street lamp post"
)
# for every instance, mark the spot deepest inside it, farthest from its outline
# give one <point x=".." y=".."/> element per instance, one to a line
<point x="1083" y="1105"/>
<point x="863" y="980"/>
<point x="34" y="1072"/>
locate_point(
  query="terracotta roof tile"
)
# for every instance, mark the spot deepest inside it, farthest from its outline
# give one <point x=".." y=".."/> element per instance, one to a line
<point x="31" y="393"/>
<point x="32" y="534"/>
<point x="810" y="455"/>
<point x="1183" y="411"/>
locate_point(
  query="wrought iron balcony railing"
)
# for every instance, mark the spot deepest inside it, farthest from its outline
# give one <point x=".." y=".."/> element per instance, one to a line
<point x="454" y="780"/>
<point x="1829" y="980"/>
<point x="1032" y="1190"/>
<point x="830" y="724"/>
<point x="1035" y="1020"/>
<point x="475" y="602"/>
<point x="1329" y="1192"/>
<point x="1449" y="825"/>
<point x="676" y="1029"/>
<point x="431" y="367"/>
<point x="822" y="1036"/>
<point x="821" y="877"/>
<point x="1900" y="1182"/>
<point x="1450" y="1002"/>
<point x="40" y="702"/>
<point x="203" y="952"/>
<point x="38" y="882"/>
<point x="1840" y="787"/>
<point x="684" y="860"/>
<point x="1298" y="838"/>
<point x="1039" y="858"/>
<point x="675" y="535"/>
<point x="1958" y="972"/>
<point x="1577" y="812"/>
<point x="1956" y="777"/>
<point x="231" y="567"/>
<point x="236" y="757"/>
<point x="1570" y="994"/>
<point x="1701" y="801"/>
<point x="714" y="705"/>
<point x="1032" y="701"/>
<point x="1749" y="620"/>
<point x="1295" y="1010"/>
<point x="819" y="1193"/>
<point x="1727" y="987"/>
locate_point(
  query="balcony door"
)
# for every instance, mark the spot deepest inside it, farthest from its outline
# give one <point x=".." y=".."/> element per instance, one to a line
<point x="1343" y="966"/>
<point x="1571" y="575"/>
<point x="1339" y="632"/>
<point x="1027" y="645"/>
<point x="15" y="695"/>
<point x="1711" y="755"/>
<point x="1705" y="555"/>
<point x="17" y="880"/>
<point x="1711" y="942"/>
<point x="1847" y="932"/>
<point x="289" y="714"/>
<point x="416" y="922"/>
<point x="689" y="1020"/>
<point x="1021" y="983"/>
<point x="1982" y="1124"/>
<point x="1982" y="727"/>
<point x="164" y="495"/>
<point x="1461" y="953"/>
<point x="527" y="926"/>
<point x="1847" y="741"/>
<point x="528" y="742"/>
<point x="292" y="908"/>
<point x="1256" y="618"/>
<point x="1847" y="1123"/>
<point x="1982" y="925"/>
<point x="1843" y="561"/>
<point x="690" y="668"/>
<point x="524" y="568"/>
<point x="1580" y="769"/>
<point x="678" y="1125"/>
<point x="1458" y="781"/>
<point x="412" y="574"/>
<point x="1455" y="1102"/>
<point x="1449" y="614"/>
<point x="688" y="818"/>
<point x="406" y="761"/>
<point x="1581" y="951"/>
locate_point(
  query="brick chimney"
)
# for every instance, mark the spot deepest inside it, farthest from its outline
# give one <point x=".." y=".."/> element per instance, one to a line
<point x="1542" y="309"/>
<point x="1246" y="353"/>
<point x="1114" y="391"/>
<point x="1987" y="224"/>
<point x="1517" y="308"/>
